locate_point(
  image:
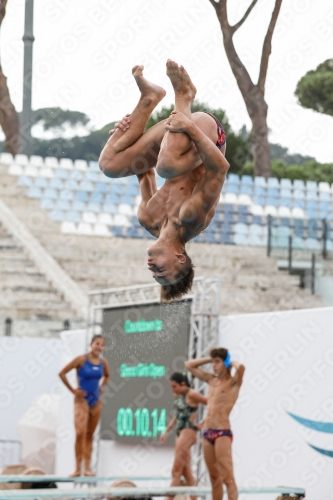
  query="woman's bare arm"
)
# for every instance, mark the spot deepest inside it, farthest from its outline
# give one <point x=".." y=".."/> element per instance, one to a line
<point x="74" y="364"/>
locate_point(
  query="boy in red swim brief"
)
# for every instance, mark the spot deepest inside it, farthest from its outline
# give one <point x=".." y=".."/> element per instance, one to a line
<point x="222" y="396"/>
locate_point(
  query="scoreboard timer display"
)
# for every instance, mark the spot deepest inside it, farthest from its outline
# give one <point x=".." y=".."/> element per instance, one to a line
<point x="145" y="345"/>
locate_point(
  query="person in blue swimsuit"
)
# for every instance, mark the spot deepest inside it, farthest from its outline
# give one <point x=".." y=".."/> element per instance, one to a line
<point x="92" y="375"/>
<point x="186" y="402"/>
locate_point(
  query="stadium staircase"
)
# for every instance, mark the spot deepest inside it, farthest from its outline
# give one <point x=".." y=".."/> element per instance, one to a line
<point x="73" y="230"/>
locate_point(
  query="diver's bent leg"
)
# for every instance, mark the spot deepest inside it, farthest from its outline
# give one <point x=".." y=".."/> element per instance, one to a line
<point x="120" y="140"/>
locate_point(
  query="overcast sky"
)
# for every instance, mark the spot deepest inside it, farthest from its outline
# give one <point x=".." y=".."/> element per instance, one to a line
<point x="84" y="51"/>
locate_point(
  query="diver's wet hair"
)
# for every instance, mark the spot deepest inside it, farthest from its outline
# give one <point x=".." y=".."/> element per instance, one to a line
<point x="183" y="286"/>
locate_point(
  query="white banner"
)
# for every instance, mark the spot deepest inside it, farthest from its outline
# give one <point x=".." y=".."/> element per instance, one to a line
<point x="287" y="398"/>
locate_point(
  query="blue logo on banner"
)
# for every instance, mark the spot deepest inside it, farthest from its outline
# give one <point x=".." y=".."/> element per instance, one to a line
<point x="316" y="426"/>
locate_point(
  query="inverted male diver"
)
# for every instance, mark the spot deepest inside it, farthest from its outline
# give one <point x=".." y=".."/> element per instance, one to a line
<point x="217" y="435"/>
<point x="188" y="151"/>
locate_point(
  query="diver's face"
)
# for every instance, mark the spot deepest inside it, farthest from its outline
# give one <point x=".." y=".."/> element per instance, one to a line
<point x="165" y="264"/>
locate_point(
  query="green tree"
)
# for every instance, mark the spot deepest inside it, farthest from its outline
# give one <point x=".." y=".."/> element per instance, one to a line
<point x="315" y="89"/>
<point x="59" y="119"/>
<point x="238" y="145"/>
<point x="309" y="171"/>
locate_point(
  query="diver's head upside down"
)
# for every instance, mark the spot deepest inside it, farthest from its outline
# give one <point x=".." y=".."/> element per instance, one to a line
<point x="172" y="268"/>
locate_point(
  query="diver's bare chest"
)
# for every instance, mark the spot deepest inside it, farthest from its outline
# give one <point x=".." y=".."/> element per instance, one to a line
<point x="169" y="199"/>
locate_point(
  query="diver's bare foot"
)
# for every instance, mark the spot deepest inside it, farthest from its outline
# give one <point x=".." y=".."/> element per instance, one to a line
<point x="88" y="472"/>
<point x="150" y="93"/>
<point x="76" y="473"/>
<point x="180" y="80"/>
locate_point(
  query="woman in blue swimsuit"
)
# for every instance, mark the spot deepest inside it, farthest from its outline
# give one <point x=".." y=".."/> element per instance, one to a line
<point x="186" y="402"/>
<point x="92" y="374"/>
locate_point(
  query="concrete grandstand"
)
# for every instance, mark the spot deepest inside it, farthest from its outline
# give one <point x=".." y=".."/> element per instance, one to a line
<point x="66" y="229"/>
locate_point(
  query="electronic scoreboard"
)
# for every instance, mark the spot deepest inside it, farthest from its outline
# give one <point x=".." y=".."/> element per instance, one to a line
<point x="145" y="345"/>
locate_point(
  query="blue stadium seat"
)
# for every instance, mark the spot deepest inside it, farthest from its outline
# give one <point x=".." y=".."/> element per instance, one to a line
<point x="134" y="232"/>
<point x="135" y="222"/>
<point x="25" y="181"/>
<point x="51" y="193"/>
<point x="247" y="179"/>
<point x="41" y="182"/>
<point x="243" y="218"/>
<point x="86" y="186"/>
<point x="257" y="219"/>
<point x="240" y="239"/>
<point x="231" y="188"/>
<point x="324" y="196"/>
<point x="209" y="237"/>
<point x="298" y="243"/>
<point x="285" y="202"/>
<point x="259" y="200"/>
<point x="79" y="206"/>
<point x="298" y="204"/>
<point x="273" y="182"/>
<point x="299" y="194"/>
<point x="62" y="205"/>
<point x="97" y="197"/>
<point x="94" y="207"/>
<point x="75" y="175"/>
<point x="311" y="205"/>
<point x="272" y="192"/>
<point x="298" y="231"/>
<point x="102" y="187"/>
<point x="311" y="195"/>
<point x="311" y="186"/>
<point x="285" y="222"/>
<point x="82" y="196"/>
<point x="127" y="199"/>
<point x="299" y="185"/>
<point x="111" y="198"/>
<point x="46" y="204"/>
<point x="285" y="193"/>
<point x="246" y="189"/>
<point x="57" y="215"/>
<point x="260" y="181"/>
<point x="225" y="238"/>
<point x="227" y="207"/>
<point x="93" y="166"/>
<point x="110" y="208"/>
<point x="259" y="191"/>
<point x="286" y="183"/>
<point x="116" y="188"/>
<point x="132" y="190"/>
<point x="272" y="202"/>
<point x="228" y="217"/>
<point x="241" y="228"/>
<point x="311" y="214"/>
<point x="243" y="209"/>
<point x="61" y="173"/>
<point x="72" y="185"/>
<point x="66" y="194"/>
<point x="56" y="183"/>
<point x="73" y="216"/>
<point x="91" y="176"/>
<point x="282" y="231"/>
<point x="313" y="244"/>
<point x="324" y="214"/>
<point x="233" y="178"/>
<point x="280" y="242"/>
